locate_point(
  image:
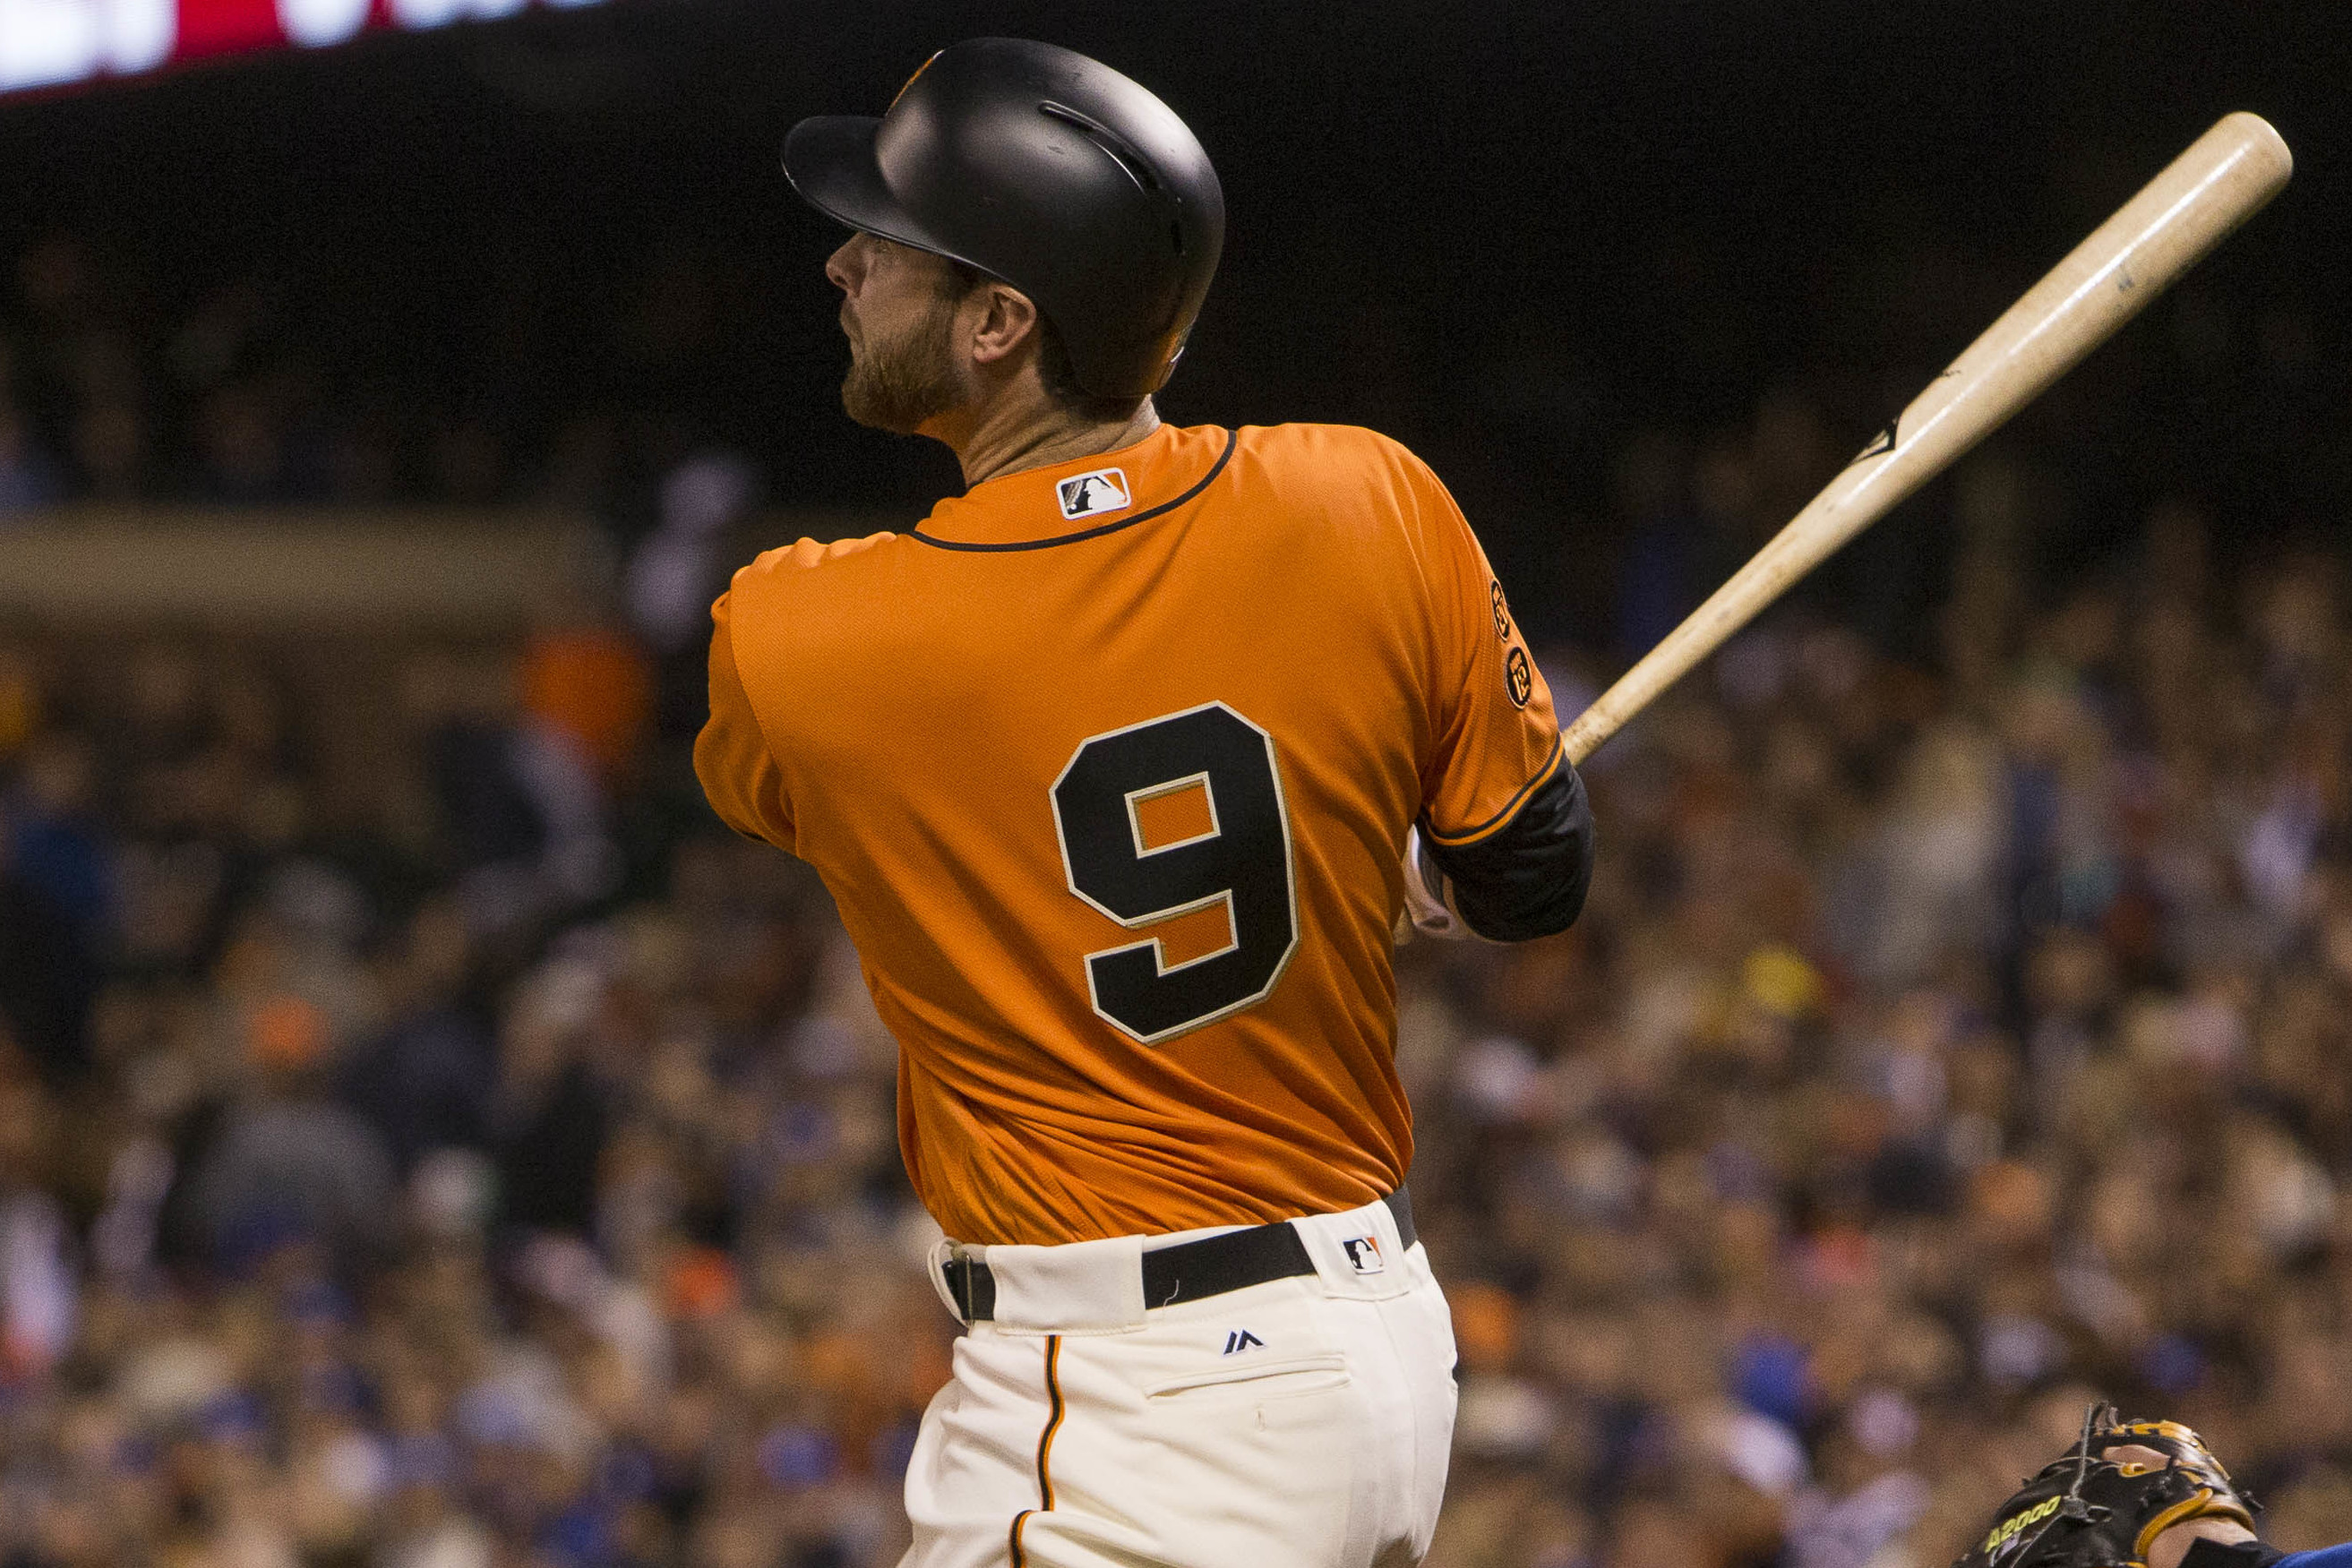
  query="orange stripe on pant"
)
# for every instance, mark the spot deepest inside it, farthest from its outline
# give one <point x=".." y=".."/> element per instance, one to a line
<point x="1045" y="1447"/>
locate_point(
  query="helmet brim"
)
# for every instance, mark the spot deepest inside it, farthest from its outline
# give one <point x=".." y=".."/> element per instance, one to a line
<point x="831" y="164"/>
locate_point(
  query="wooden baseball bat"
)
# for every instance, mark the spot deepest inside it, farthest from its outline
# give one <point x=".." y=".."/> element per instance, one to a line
<point x="2222" y="179"/>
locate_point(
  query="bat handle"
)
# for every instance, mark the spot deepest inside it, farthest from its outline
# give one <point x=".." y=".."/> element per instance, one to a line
<point x="1583" y="738"/>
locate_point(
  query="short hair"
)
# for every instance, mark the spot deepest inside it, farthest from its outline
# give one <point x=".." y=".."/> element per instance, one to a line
<point x="1056" y="372"/>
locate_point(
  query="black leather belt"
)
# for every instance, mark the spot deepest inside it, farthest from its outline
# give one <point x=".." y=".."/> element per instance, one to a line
<point x="1189" y="1271"/>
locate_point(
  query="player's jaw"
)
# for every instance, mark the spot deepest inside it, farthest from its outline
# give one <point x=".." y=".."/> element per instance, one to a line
<point x="897" y="310"/>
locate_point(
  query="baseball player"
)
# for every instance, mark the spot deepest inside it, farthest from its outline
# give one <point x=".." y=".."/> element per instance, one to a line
<point x="1121" y="768"/>
<point x="2134" y="1494"/>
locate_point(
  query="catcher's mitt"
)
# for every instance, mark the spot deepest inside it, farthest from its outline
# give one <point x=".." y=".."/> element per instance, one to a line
<point x="2086" y="1510"/>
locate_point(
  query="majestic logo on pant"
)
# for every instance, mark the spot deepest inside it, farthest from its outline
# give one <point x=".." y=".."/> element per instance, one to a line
<point x="1094" y="495"/>
<point x="1364" y="1254"/>
<point x="1241" y="1340"/>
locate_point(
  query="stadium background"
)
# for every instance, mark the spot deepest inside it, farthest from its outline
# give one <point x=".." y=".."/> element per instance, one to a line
<point x="426" y="1140"/>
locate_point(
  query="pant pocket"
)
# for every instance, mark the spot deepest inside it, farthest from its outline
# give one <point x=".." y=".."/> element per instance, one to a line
<point x="1261" y="1380"/>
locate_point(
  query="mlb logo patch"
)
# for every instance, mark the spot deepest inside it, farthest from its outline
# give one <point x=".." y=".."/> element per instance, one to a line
<point x="1094" y="495"/>
<point x="1364" y="1254"/>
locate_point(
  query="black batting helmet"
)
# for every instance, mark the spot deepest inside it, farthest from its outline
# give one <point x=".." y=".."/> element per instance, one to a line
<point x="1049" y="172"/>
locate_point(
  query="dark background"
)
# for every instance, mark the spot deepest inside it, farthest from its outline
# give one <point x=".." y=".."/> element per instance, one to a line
<point x="1513" y="236"/>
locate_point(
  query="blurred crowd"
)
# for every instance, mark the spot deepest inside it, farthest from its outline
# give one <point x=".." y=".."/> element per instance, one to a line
<point x="383" y="1179"/>
<point x="427" y="1141"/>
<point x="122" y="382"/>
<point x="1937" y="1051"/>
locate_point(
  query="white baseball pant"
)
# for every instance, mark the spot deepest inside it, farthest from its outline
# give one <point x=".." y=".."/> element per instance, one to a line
<point x="1299" y="1423"/>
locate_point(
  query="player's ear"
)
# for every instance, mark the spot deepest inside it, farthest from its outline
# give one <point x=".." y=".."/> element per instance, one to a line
<point x="1009" y="319"/>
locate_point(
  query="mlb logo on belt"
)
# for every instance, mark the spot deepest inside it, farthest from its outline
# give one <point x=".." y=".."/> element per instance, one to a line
<point x="1094" y="495"/>
<point x="1364" y="1254"/>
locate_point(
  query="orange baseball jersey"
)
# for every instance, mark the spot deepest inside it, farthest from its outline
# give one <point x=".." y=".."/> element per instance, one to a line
<point x="1108" y="765"/>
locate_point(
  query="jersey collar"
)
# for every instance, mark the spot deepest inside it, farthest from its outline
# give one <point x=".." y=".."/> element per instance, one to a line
<point x="1083" y="498"/>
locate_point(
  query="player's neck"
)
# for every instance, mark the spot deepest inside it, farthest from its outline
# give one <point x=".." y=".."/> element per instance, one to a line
<point x="1021" y="429"/>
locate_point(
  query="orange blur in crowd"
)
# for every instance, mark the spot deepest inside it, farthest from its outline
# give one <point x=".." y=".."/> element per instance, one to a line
<point x="590" y="683"/>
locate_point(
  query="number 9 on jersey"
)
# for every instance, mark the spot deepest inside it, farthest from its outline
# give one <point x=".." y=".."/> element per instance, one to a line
<point x="1242" y="860"/>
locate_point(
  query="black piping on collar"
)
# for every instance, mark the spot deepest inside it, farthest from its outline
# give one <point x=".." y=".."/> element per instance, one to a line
<point x="1094" y="533"/>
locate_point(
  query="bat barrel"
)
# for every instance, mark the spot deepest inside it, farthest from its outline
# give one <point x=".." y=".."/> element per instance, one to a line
<point x="2223" y="178"/>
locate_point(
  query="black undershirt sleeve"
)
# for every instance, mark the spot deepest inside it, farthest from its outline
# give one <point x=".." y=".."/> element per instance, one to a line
<point x="1528" y="878"/>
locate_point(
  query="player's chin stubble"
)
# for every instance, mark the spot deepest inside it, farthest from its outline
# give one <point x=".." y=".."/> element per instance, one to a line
<point x="895" y="383"/>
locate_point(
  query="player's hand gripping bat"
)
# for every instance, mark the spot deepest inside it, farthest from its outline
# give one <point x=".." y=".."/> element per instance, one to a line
<point x="2223" y="179"/>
